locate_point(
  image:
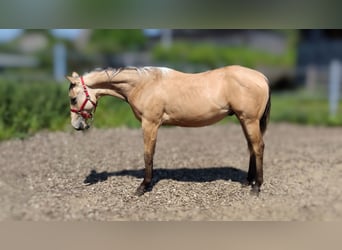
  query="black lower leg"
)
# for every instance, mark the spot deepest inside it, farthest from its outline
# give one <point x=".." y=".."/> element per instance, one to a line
<point x="251" y="170"/>
<point x="258" y="175"/>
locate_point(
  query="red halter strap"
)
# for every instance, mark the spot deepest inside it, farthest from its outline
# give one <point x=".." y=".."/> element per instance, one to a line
<point x="81" y="111"/>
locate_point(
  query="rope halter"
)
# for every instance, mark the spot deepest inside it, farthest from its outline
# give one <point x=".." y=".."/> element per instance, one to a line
<point x="81" y="111"/>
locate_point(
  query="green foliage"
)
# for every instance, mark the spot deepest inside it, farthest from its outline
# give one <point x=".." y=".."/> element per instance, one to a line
<point x="117" y="40"/>
<point x="112" y="112"/>
<point x="216" y="56"/>
<point x="302" y="108"/>
<point x="27" y="108"/>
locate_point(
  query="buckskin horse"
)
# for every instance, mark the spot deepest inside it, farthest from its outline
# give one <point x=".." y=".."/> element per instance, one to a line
<point x="159" y="96"/>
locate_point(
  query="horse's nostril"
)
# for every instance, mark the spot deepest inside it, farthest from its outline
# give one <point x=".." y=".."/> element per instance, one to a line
<point x="79" y="128"/>
<point x="82" y="126"/>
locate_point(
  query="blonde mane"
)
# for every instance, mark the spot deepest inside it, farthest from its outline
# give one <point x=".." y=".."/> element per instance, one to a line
<point x="112" y="72"/>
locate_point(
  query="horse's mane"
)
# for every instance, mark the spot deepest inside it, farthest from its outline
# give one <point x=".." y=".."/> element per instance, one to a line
<point x="112" y="72"/>
<point x="118" y="70"/>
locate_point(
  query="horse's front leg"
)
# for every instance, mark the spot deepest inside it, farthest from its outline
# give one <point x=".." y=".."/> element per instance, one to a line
<point x="150" y="131"/>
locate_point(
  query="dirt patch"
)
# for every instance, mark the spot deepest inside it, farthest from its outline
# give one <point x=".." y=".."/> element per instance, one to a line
<point x="198" y="175"/>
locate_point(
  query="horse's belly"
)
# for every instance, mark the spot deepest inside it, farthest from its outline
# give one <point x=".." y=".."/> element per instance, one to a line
<point x="194" y="119"/>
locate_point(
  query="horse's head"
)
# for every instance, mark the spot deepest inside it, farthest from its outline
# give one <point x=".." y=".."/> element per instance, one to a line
<point x="82" y="102"/>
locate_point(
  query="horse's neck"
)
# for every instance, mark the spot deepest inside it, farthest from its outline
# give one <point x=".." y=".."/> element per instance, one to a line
<point x="114" y="83"/>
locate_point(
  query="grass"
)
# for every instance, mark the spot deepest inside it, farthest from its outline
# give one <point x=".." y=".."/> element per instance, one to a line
<point x="112" y="112"/>
<point x="303" y="108"/>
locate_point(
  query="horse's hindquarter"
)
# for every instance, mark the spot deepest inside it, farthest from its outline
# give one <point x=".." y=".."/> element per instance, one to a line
<point x="247" y="91"/>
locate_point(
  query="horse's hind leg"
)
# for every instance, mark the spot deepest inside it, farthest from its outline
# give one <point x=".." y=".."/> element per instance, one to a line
<point x="255" y="142"/>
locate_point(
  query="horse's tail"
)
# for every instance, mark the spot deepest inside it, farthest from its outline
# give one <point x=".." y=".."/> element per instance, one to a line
<point x="266" y="115"/>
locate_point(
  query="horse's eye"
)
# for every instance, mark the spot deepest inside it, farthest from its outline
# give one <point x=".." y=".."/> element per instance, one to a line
<point x="72" y="85"/>
<point x="73" y="101"/>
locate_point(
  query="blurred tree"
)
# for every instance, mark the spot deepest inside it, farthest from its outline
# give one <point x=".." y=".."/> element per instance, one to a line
<point x="118" y="40"/>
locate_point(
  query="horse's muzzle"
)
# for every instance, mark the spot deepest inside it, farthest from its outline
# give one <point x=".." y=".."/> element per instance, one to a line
<point x="82" y="127"/>
<point x="79" y="124"/>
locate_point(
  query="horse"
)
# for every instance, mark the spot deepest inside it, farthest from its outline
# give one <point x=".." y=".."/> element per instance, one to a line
<point x="163" y="96"/>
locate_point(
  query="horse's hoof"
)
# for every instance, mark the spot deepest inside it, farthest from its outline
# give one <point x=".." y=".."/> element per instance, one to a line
<point x="255" y="190"/>
<point x="140" y="191"/>
<point x="246" y="184"/>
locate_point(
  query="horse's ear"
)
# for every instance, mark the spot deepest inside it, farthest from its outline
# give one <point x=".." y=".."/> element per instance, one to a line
<point x="74" y="74"/>
<point x="70" y="79"/>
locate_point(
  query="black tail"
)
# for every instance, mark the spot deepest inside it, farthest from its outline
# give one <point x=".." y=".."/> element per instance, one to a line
<point x="266" y="115"/>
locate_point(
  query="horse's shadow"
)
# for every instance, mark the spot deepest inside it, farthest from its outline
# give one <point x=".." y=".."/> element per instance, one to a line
<point x="177" y="174"/>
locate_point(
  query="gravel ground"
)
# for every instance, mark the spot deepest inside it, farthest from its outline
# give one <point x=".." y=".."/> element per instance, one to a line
<point x="198" y="175"/>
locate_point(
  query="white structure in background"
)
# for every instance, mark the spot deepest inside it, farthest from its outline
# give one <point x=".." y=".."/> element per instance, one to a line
<point x="59" y="61"/>
<point x="60" y="52"/>
<point x="166" y="38"/>
<point x="334" y="86"/>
